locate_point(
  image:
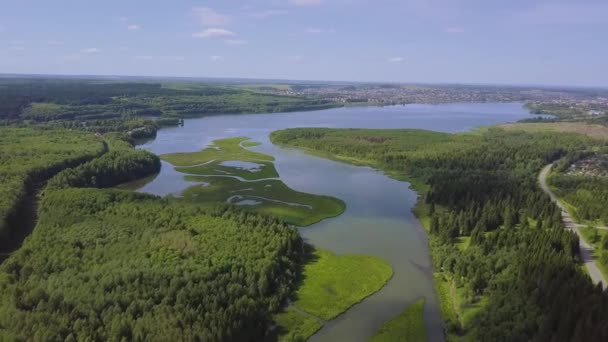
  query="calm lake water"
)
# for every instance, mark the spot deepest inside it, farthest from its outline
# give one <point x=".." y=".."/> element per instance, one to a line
<point x="378" y="218"/>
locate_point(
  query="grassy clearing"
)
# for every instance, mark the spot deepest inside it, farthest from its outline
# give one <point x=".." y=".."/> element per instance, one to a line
<point x="271" y="197"/>
<point x="594" y="131"/>
<point x="332" y="284"/>
<point x="295" y="326"/>
<point x="220" y="150"/>
<point x="408" y="326"/>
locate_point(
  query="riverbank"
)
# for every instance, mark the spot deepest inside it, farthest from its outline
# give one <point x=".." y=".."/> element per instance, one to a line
<point x="481" y="193"/>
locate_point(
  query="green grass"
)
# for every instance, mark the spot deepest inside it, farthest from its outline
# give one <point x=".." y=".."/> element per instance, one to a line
<point x="332" y="284"/>
<point x="448" y="312"/>
<point x="295" y="326"/>
<point x="220" y="150"/>
<point x="408" y="326"/>
<point x="305" y="208"/>
<point x="455" y="310"/>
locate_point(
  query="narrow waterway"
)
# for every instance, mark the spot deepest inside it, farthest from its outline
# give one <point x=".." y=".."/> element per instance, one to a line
<point x="378" y="219"/>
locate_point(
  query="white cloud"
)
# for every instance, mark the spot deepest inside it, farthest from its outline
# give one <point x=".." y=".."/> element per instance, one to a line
<point x="454" y="29"/>
<point x="133" y="27"/>
<point x="306" y="2"/>
<point x="16" y="48"/>
<point x="90" y="50"/>
<point x="235" y="42"/>
<point x="395" y="59"/>
<point x="214" y="33"/>
<point x="144" y="58"/>
<point x="215" y="58"/>
<point x="208" y="17"/>
<point x="267" y="14"/>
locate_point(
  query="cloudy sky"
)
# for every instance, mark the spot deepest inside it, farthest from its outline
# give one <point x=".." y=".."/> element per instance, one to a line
<point x="555" y="42"/>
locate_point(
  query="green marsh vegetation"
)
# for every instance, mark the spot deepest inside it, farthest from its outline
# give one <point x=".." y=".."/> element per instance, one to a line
<point x="512" y="281"/>
<point x="407" y="326"/>
<point x="329" y="285"/>
<point x="333" y="283"/>
<point x="217" y="168"/>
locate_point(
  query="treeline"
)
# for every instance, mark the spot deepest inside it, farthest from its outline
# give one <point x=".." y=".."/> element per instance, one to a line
<point x="78" y="101"/>
<point x="29" y="156"/>
<point x="121" y="164"/>
<point x="495" y="235"/>
<point x="115" y="265"/>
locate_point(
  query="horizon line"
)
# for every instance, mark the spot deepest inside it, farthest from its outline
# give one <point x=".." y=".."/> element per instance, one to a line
<point x="296" y="81"/>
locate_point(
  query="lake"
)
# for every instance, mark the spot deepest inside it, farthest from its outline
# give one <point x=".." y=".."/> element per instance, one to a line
<point x="378" y="218"/>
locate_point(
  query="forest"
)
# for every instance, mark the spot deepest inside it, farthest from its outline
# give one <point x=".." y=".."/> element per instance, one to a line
<point x="497" y="241"/>
<point x="105" y="264"/>
<point x="29" y="156"/>
<point x="116" y="265"/>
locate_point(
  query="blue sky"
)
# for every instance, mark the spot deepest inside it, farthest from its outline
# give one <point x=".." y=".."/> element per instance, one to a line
<point x="552" y="42"/>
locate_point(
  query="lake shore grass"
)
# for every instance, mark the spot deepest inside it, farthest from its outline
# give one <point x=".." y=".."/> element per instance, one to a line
<point x="407" y="326"/>
<point x="332" y="283"/>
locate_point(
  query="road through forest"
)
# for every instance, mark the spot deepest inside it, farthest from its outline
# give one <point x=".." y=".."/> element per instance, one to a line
<point x="586" y="250"/>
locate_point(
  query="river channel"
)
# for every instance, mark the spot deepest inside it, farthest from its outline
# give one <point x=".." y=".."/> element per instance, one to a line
<point x="378" y="219"/>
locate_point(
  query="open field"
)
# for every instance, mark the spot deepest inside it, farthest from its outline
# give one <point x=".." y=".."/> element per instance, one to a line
<point x="592" y="130"/>
<point x="407" y="326"/>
